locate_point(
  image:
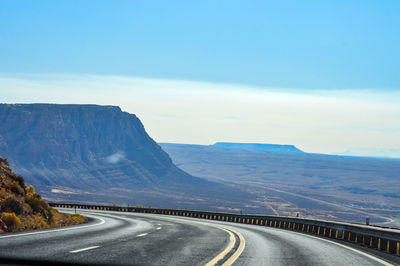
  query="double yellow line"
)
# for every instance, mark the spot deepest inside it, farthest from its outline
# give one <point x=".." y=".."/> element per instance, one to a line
<point x="229" y="247"/>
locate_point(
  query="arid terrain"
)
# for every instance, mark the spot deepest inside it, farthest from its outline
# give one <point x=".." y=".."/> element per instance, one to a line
<point x="21" y="208"/>
<point x="313" y="185"/>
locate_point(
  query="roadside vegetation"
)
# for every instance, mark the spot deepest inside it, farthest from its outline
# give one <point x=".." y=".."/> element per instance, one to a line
<point x="21" y="208"/>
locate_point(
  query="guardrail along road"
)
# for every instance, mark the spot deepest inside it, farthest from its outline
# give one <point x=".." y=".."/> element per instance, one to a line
<point x="144" y="236"/>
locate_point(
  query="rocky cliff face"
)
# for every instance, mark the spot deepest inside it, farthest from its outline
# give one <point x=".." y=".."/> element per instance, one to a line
<point x="99" y="154"/>
<point x="78" y="150"/>
<point x="54" y="144"/>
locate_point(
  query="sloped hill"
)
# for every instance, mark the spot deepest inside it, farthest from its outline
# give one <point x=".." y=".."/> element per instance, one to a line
<point x="103" y="146"/>
<point x="99" y="154"/>
<point x="21" y="208"/>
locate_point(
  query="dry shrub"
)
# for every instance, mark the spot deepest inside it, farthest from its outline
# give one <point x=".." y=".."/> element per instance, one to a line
<point x="17" y="189"/>
<point x="10" y="204"/>
<point x="11" y="220"/>
<point x="35" y="201"/>
<point x="21" y="182"/>
<point x="38" y="205"/>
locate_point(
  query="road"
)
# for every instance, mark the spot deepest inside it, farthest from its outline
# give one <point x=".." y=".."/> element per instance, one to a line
<point x="148" y="239"/>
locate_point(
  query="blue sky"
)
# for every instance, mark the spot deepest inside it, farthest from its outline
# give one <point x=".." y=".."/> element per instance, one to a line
<point x="295" y="44"/>
<point x="323" y="75"/>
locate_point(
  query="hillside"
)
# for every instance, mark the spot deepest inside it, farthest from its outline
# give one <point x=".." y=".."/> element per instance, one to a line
<point x="21" y="208"/>
<point x="101" y="145"/>
<point x="91" y="153"/>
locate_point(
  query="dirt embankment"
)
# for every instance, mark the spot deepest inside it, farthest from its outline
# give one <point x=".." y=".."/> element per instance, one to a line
<point x="21" y="208"/>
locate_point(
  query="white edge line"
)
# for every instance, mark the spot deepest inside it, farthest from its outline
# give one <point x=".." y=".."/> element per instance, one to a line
<point x="83" y="249"/>
<point x="350" y="248"/>
<point x="326" y="240"/>
<point x="56" y="230"/>
<point x="144" y="234"/>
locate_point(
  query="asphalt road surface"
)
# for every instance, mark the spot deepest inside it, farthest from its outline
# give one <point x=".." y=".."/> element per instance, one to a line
<point x="148" y="239"/>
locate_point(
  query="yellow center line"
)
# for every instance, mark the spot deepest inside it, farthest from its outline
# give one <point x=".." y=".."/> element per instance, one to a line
<point x="220" y="256"/>
<point x="239" y="251"/>
<point x="229" y="247"/>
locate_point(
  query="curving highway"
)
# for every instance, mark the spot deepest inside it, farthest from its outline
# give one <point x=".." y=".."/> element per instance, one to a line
<point x="149" y="239"/>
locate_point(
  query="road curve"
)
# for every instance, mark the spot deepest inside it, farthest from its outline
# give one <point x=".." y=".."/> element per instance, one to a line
<point x="149" y="239"/>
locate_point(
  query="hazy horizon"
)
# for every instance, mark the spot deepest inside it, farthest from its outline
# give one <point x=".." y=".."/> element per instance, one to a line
<point x="323" y="76"/>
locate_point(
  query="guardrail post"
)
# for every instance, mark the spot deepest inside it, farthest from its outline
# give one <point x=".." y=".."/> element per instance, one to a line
<point x="398" y="249"/>
<point x="379" y="243"/>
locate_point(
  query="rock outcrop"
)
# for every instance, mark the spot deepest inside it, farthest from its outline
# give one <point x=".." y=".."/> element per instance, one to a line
<point x="71" y="152"/>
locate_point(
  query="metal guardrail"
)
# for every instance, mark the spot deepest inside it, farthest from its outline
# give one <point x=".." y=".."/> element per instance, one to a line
<point x="383" y="239"/>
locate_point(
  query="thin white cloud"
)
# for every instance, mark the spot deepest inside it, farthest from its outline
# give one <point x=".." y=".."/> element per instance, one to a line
<point x="201" y="112"/>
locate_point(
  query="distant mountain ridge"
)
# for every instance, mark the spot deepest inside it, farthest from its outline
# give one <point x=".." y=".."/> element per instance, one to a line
<point x="276" y="148"/>
<point x="80" y="151"/>
<point x="51" y="143"/>
<point x="295" y="181"/>
<point x="242" y="147"/>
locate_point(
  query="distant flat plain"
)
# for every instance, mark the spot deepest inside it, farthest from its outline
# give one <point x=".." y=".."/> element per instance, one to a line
<point x="287" y="183"/>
